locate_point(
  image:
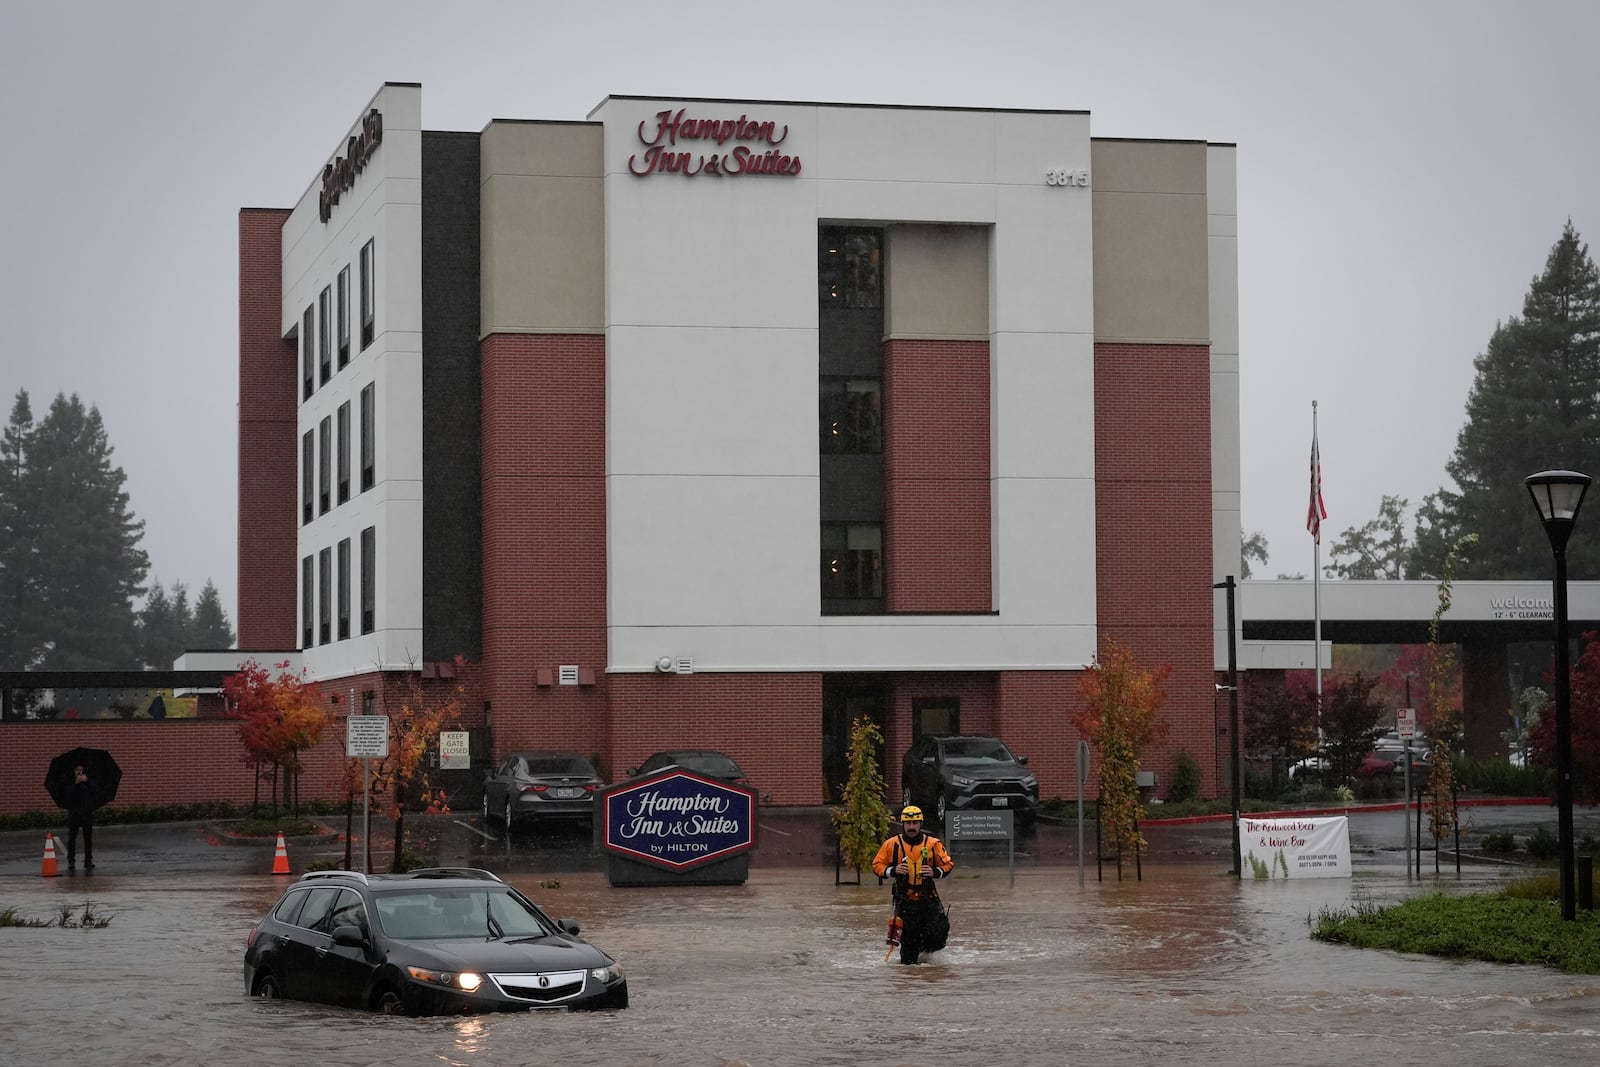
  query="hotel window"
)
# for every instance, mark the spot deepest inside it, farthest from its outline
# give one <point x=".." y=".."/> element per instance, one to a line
<point x="852" y="416"/>
<point x="369" y="702"/>
<point x="324" y="332"/>
<point x="325" y="466"/>
<point x="308" y="355"/>
<point x="368" y="296"/>
<point x="369" y="415"/>
<point x="850" y="267"/>
<point x="344" y="451"/>
<point x="344" y="317"/>
<point x="305" y="602"/>
<point x="852" y="567"/>
<point x="369" y="579"/>
<point x="344" y="589"/>
<point x="325" y="594"/>
<point x="308" y="474"/>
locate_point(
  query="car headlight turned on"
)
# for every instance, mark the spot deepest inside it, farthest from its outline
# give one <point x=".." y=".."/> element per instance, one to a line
<point x="465" y="980"/>
<point x="607" y="975"/>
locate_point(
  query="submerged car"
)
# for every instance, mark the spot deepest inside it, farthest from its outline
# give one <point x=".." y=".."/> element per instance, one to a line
<point x="429" y="942"/>
<point x="541" y="785"/>
<point x="968" y="773"/>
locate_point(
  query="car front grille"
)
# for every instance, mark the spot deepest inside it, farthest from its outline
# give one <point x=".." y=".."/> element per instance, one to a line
<point x="540" y="988"/>
<point x="999" y="789"/>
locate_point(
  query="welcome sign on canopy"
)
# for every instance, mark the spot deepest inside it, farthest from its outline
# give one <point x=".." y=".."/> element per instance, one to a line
<point x="1295" y="847"/>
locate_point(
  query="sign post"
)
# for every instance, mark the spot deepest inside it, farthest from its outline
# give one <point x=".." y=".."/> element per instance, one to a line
<point x="1405" y="720"/>
<point x="1083" y="776"/>
<point x="365" y="737"/>
<point x="990" y="825"/>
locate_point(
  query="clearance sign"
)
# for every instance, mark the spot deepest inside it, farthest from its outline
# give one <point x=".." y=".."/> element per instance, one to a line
<point x="1294" y="847"/>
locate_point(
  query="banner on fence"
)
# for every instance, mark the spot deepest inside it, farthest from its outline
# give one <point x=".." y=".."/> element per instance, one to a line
<point x="1295" y="847"/>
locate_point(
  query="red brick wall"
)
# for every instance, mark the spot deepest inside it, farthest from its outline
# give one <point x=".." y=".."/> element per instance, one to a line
<point x="544" y="537"/>
<point x="1153" y="532"/>
<point x="936" y="476"/>
<point x="269" y="383"/>
<point x="977" y="700"/>
<point x="1034" y="716"/>
<point x="771" y="724"/>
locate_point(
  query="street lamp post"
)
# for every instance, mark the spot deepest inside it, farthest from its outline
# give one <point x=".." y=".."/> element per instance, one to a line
<point x="1235" y="765"/>
<point x="1558" y="495"/>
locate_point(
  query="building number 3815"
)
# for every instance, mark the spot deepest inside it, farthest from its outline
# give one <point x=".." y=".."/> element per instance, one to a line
<point x="1066" y="176"/>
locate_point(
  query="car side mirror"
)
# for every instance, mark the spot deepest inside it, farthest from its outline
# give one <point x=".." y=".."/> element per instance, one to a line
<point x="633" y="772"/>
<point x="1022" y="760"/>
<point x="928" y="760"/>
<point x="568" y="925"/>
<point x="349" y="936"/>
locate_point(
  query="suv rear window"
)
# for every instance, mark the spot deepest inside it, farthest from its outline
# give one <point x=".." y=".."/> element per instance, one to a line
<point x="570" y="765"/>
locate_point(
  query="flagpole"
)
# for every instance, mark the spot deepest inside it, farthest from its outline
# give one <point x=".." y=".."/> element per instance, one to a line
<point x="1314" y="521"/>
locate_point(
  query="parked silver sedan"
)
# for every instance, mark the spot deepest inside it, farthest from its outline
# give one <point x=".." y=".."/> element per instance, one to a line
<point x="541" y="785"/>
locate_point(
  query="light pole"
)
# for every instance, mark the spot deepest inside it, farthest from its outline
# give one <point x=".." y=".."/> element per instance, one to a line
<point x="1233" y="724"/>
<point x="1558" y="495"/>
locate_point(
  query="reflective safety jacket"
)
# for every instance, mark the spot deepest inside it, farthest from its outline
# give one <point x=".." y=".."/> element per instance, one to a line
<point x="925" y="861"/>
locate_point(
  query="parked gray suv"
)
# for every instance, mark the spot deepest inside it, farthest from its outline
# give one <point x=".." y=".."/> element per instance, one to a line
<point x="968" y="773"/>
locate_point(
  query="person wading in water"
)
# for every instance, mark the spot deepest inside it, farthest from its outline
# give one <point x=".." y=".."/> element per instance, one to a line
<point x="915" y="859"/>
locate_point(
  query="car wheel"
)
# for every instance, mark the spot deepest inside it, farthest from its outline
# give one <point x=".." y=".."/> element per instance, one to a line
<point x="267" y="987"/>
<point x="486" y="805"/>
<point x="507" y="815"/>
<point x="905" y="798"/>
<point x="389" y="1002"/>
<point x="938" y="808"/>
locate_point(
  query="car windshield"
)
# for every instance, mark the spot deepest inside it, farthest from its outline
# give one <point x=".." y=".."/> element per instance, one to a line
<point x="977" y="749"/>
<point x="478" y="914"/>
<point x="571" y="766"/>
<point x="712" y="763"/>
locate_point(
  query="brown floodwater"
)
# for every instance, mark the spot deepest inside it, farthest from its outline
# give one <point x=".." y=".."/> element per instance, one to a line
<point x="1186" y="966"/>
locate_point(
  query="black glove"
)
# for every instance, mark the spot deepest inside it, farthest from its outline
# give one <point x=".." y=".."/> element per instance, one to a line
<point x="936" y="872"/>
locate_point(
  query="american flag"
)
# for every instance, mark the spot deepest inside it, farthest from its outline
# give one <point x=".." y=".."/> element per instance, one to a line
<point x="1318" y="511"/>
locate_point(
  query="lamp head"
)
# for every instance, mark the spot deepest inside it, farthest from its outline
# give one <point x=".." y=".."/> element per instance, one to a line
<point x="1558" y="495"/>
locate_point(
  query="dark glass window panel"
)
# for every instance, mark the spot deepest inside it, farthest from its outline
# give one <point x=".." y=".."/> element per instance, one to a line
<point x="850" y="267"/>
<point x="369" y="312"/>
<point x="369" y="431"/>
<point x="308" y="475"/>
<point x="852" y="416"/>
<point x="344" y="589"/>
<point x="324" y="334"/>
<point x="325" y="595"/>
<point x="369" y="579"/>
<point x="325" y="466"/>
<point x="344" y="451"/>
<point x="344" y="317"/>
<point x="852" y="561"/>
<point x="308" y="355"/>
<point x="306" y="590"/>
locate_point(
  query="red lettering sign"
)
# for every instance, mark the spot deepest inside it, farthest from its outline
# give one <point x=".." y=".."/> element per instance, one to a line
<point x="341" y="173"/>
<point x="662" y="155"/>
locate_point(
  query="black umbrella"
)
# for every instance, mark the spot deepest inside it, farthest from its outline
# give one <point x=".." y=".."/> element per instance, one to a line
<point x="103" y="773"/>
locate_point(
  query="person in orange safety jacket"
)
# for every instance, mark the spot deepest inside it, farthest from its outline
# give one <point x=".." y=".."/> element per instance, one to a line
<point x="915" y="860"/>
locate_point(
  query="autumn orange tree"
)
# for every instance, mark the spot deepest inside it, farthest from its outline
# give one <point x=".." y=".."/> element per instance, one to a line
<point x="1122" y="701"/>
<point x="279" y="718"/>
<point x="402" y="777"/>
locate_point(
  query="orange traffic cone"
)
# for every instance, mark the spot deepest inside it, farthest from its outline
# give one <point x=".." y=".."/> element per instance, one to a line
<point x="49" y="868"/>
<point x="280" y="859"/>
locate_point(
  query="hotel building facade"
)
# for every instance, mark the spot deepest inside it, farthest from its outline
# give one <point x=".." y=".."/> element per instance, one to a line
<point x="719" y="424"/>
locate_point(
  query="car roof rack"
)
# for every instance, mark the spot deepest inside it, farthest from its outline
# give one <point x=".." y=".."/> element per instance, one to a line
<point x="476" y="873"/>
<point x="311" y="876"/>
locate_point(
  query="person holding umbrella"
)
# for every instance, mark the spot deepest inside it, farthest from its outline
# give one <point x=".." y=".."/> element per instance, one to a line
<point x="80" y="816"/>
<point x="81" y="781"/>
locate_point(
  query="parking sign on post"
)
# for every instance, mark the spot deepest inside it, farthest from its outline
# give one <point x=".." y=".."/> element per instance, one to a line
<point x="1405" y="721"/>
<point x="366" y="737"/>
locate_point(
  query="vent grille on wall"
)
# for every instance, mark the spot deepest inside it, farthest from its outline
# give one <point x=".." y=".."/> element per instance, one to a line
<point x="568" y="675"/>
<point x="685" y="665"/>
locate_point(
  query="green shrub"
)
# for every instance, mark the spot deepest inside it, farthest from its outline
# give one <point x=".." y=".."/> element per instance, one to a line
<point x="1497" y="777"/>
<point x="1500" y="844"/>
<point x="1538" y="887"/>
<point x="1185" y="779"/>
<point x="1543" y="845"/>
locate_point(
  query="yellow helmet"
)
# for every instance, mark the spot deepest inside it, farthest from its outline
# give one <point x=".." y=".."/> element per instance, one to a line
<point x="910" y="813"/>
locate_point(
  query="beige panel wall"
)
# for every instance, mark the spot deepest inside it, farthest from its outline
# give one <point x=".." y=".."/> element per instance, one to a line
<point x="937" y="282"/>
<point x="543" y="228"/>
<point x="1150" y="242"/>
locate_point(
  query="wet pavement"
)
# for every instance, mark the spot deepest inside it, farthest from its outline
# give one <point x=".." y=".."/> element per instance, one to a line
<point x="788" y="968"/>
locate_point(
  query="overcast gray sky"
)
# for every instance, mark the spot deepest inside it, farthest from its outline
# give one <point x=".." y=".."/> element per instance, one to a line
<point x="1404" y="169"/>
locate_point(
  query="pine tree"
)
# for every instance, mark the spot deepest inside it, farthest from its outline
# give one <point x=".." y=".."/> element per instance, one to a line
<point x="89" y="563"/>
<point x="1534" y="405"/>
<point x="18" y="541"/>
<point x="210" y="628"/>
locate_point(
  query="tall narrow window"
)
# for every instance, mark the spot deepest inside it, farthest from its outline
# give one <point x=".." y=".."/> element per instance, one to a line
<point x="308" y="475"/>
<point x="344" y="589"/>
<point x="325" y="466"/>
<point x="325" y="595"/>
<point x="369" y="301"/>
<point x="308" y="352"/>
<point x="344" y="451"/>
<point x="852" y="567"/>
<point x="344" y="317"/>
<point x="369" y="579"/>
<point x="850" y="267"/>
<point x="852" y="416"/>
<point x="305" y="602"/>
<point x="369" y="440"/>
<point x="325" y="333"/>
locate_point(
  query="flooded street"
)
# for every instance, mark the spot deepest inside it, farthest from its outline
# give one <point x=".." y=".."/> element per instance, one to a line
<point x="1186" y="966"/>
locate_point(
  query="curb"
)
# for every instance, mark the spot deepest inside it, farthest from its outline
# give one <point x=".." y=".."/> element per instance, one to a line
<point x="228" y="837"/>
<point x="1347" y="809"/>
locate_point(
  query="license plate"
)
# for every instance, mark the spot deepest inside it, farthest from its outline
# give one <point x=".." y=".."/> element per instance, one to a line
<point x="1001" y="802"/>
<point x="566" y="794"/>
